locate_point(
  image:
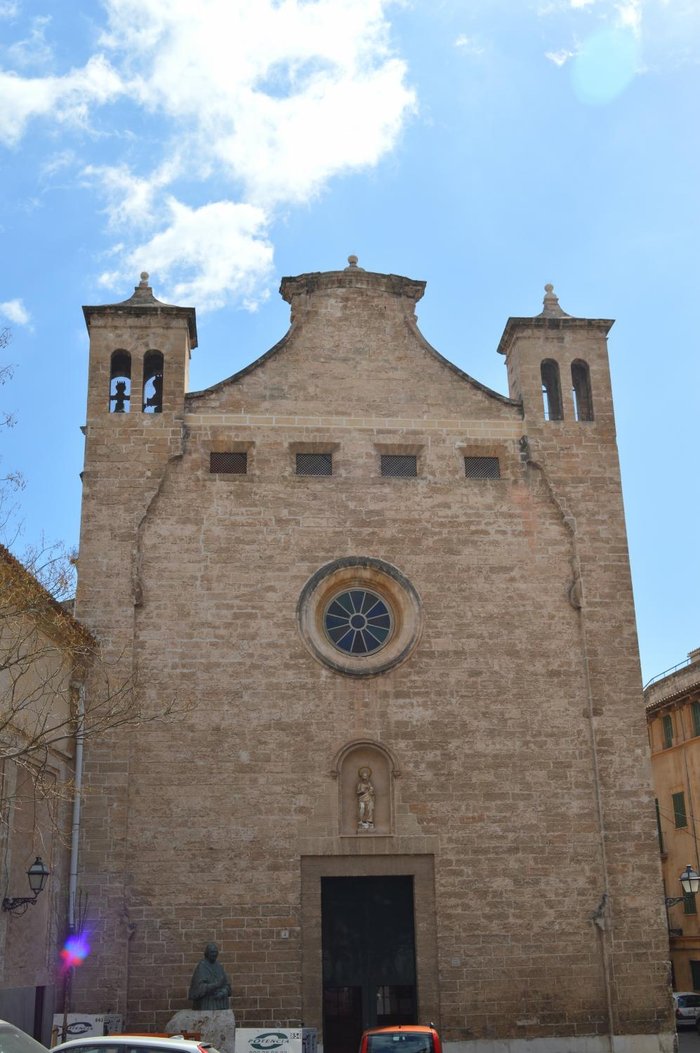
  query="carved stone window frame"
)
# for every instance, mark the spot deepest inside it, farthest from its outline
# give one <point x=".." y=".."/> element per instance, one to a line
<point x="360" y="572"/>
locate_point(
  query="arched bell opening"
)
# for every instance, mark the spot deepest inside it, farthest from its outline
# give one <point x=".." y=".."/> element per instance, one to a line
<point x="120" y="382"/>
<point x="581" y="390"/>
<point x="153" y="382"/>
<point x="551" y="390"/>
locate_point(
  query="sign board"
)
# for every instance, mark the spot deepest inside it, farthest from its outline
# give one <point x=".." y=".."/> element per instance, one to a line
<point x="81" y="1024"/>
<point x="275" y="1040"/>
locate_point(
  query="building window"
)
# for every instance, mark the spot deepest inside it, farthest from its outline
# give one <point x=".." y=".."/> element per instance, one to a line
<point x="314" y="464"/>
<point x="399" y="465"/>
<point x="581" y="390"/>
<point x="679" y="815"/>
<point x="695" y="708"/>
<point x="357" y="621"/>
<point x="120" y="382"/>
<point x="551" y="390"/>
<point x="667" y="723"/>
<point x="482" y="468"/>
<point x="234" y="463"/>
<point x="689" y="904"/>
<point x="695" y="973"/>
<point x="153" y="382"/>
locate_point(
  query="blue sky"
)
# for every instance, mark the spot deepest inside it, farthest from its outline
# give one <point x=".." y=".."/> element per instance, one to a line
<point x="488" y="146"/>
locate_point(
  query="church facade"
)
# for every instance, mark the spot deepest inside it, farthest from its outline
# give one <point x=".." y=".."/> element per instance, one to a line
<point x="406" y="777"/>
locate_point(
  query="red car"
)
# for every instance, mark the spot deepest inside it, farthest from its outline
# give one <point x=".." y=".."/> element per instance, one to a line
<point x="401" y="1038"/>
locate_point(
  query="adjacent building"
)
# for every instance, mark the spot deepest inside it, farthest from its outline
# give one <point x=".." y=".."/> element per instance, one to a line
<point x="673" y="718"/>
<point x="408" y="777"/>
<point x="44" y="655"/>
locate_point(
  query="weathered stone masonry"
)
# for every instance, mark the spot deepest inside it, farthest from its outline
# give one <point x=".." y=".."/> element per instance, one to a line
<point x="504" y="729"/>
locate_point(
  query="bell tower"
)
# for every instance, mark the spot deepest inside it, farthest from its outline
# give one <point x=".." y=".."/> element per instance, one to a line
<point x="134" y="433"/>
<point x="137" y="380"/>
<point x="558" y="368"/>
<point x="139" y="355"/>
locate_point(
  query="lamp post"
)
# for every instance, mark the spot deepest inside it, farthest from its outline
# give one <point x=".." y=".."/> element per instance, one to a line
<point x="37" y="875"/>
<point x="690" y="883"/>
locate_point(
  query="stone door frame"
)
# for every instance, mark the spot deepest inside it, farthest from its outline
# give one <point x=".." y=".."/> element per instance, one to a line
<point x="422" y="869"/>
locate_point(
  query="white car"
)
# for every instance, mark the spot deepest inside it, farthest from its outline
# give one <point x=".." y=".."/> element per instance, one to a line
<point x="133" y="1044"/>
<point x="687" y="1005"/>
<point x="14" y="1040"/>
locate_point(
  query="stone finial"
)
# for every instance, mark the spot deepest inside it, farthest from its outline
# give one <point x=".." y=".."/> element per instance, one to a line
<point x="144" y="279"/>
<point x="352" y="264"/>
<point x="551" y="307"/>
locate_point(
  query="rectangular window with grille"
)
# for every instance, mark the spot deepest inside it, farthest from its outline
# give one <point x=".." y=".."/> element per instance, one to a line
<point x="679" y="816"/>
<point x="668" y="731"/>
<point x="235" y="463"/>
<point x="695" y="973"/>
<point x="399" y="465"/>
<point x="314" y="464"/>
<point x="482" y="468"/>
<point x="696" y="718"/>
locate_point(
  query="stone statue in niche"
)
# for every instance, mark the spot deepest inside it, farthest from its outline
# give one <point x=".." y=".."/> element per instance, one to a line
<point x="365" y="799"/>
<point x="210" y="987"/>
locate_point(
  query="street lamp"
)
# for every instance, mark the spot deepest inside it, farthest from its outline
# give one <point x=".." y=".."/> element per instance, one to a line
<point x="37" y="875"/>
<point x="690" y="883"/>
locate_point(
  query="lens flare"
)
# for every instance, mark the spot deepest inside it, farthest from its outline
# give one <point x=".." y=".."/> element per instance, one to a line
<point x="75" y="951"/>
<point x="606" y="64"/>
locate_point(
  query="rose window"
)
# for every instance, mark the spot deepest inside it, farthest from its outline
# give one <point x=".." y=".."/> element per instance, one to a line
<point x="357" y="621"/>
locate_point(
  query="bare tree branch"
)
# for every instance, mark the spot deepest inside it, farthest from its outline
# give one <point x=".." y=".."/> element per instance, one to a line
<point x="46" y="658"/>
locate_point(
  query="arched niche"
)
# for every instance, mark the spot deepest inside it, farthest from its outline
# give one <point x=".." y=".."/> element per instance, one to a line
<point x="365" y="771"/>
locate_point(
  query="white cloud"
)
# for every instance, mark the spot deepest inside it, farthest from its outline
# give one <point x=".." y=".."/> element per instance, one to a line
<point x="559" y="58"/>
<point x="32" y="50"/>
<point x="468" y="44"/>
<point x="282" y="95"/>
<point x="8" y="9"/>
<point x="207" y="256"/>
<point x="65" y="99"/>
<point x="15" y="311"/>
<point x="266" y="100"/>
<point x="629" y="15"/>
<point x="131" y="199"/>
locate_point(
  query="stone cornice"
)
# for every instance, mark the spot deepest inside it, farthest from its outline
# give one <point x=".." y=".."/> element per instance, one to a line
<point x="351" y="278"/>
<point x="549" y="324"/>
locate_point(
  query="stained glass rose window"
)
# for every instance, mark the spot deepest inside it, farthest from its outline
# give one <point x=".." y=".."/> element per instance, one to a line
<point x="357" y="621"/>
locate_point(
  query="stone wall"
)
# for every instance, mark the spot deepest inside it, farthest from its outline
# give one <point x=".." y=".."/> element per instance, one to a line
<point x="514" y="727"/>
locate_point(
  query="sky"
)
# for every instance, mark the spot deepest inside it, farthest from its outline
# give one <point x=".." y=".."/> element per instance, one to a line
<point x="486" y="146"/>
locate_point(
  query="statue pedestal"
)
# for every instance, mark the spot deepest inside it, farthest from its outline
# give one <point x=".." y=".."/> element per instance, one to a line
<point x="216" y="1026"/>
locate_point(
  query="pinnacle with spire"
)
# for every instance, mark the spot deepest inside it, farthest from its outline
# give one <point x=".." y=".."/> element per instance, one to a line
<point x="551" y="307"/>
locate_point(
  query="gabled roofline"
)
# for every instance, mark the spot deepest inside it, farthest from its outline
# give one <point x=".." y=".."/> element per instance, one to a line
<point x="69" y="627"/>
<point x="280" y="345"/>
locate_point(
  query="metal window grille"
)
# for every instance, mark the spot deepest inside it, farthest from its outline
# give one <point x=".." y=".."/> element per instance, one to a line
<point x="679" y="813"/>
<point x="482" y="468"/>
<point x="228" y="463"/>
<point x="399" y="465"/>
<point x="314" y="464"/>
<point x="695" y="973"/>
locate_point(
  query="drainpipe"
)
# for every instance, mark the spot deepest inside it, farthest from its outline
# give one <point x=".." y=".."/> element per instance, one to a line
<point x="77" y="788"/>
